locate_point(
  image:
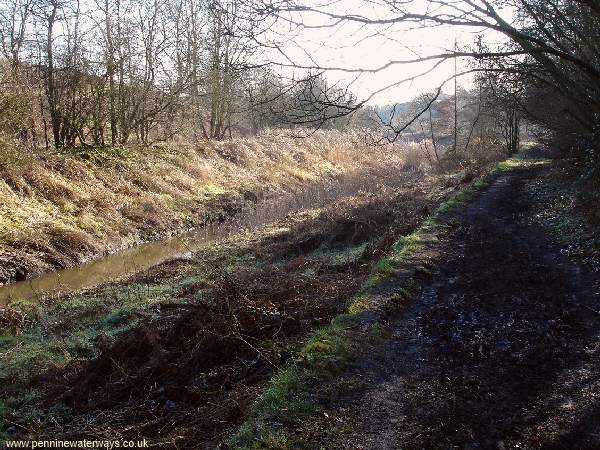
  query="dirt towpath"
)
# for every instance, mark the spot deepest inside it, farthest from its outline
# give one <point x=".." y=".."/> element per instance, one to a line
<point x="500" y="348"/>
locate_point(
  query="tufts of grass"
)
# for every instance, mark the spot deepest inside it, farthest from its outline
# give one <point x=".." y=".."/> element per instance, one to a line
<point x="281" y="399"/>
<point x="386" y="266"/>
<point x="327" y="348"/>
<point x="360" y="303"/>
<point x="401" y="295"/>
<point x="402" y="249"/>
<point x="341" y="256"/>
<point x="285" y="399"/>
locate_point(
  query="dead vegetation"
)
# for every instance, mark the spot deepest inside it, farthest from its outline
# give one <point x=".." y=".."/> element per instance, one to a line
<point x="178" y="354"/>
<point x="59" y="209"/>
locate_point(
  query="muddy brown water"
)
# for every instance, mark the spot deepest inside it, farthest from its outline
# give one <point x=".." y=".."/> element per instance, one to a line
<point x="108" y="268"/>
<point x="141" y="257"/>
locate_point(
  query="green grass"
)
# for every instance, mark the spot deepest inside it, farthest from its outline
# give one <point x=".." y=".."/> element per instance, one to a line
<point x="285" y="399"/>
<point x="340" y="256"/>
<point x="519" y="161"/>
<point x="402" y="249"/>
<point x="59" y="333"/>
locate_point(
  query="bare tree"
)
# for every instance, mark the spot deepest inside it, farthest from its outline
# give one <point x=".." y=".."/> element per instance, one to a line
<point x="548" y="45"/>
<point x="14" y="16"/>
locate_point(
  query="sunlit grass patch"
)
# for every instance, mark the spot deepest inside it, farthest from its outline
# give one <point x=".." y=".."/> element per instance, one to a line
<point x="407" y="245"/>
<point x="386" y="266"/>
<point x="520" y="161"/>
<point x="402" y="249"/>
<point x="509" y="164"/>
<point x="341" y="256"/>
<point x="327" y="348"/>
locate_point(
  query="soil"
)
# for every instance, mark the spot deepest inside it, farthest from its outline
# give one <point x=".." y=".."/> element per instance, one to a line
<point x="499" y="347"/>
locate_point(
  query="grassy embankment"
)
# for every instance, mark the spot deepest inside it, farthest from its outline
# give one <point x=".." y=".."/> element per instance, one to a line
<point x="179" y="354"/>
<point x="60" y="208"/>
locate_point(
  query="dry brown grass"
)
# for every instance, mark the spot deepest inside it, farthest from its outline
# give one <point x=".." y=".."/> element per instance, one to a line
<point x="57" y="209"/>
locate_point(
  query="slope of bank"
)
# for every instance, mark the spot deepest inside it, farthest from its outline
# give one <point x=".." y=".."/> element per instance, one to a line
<point x="59" y="209"/>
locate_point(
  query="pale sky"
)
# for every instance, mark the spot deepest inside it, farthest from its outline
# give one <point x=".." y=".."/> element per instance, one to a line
<point x="353" y="46"/>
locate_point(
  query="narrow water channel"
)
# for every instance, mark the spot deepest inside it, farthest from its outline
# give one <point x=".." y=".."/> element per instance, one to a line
<point x="136" y="259"/>
<point x="108" y="268"/>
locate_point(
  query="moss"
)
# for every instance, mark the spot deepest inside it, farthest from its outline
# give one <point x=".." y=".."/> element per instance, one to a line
<point x="359" y="304"/>
<point x="326" y="348"/>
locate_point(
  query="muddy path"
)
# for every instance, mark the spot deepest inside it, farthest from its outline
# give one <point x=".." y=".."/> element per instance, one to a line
<point x="499" y="349"/>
